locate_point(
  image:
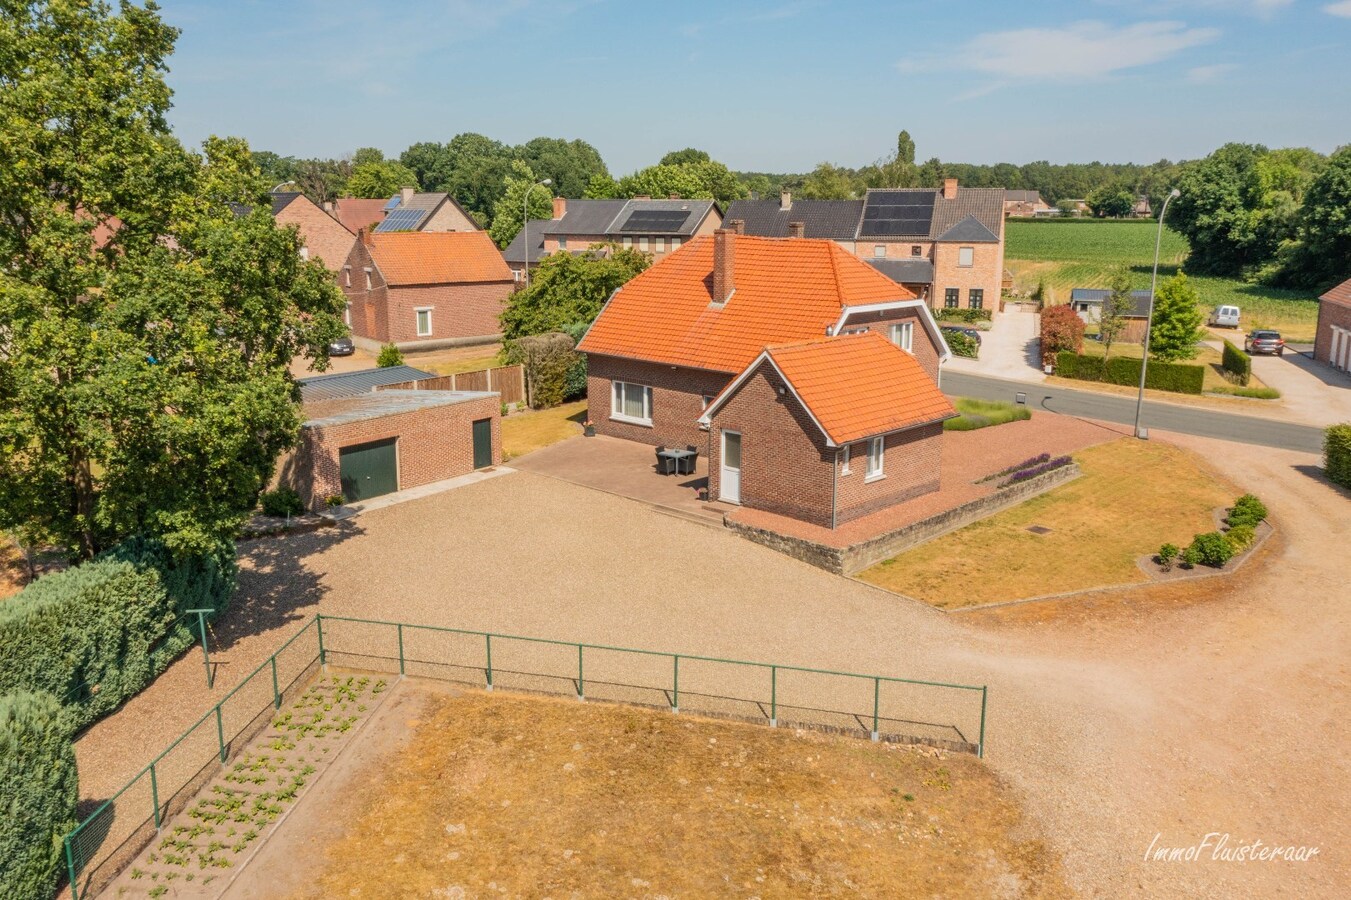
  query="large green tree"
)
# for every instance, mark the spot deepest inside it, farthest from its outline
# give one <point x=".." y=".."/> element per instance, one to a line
<point x="1320" y="257"/>
<point x="689" y="180"/>
<point x="380" y="178"/>
<point x="1113" y="201"/>
<point x="567" y="290"/>
<point x="522" y="188"/>
<point x="570" y="165"/>
<point x="828" y="182"/>
<point x="146" y="327"/>
<point x="1176" y="324"/>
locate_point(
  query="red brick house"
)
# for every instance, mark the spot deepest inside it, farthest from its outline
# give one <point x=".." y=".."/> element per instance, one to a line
<point x="1332" y="343"/>
<point x="790" y="363"/>
<point x="322" y="237"/>
<point x="425" y="289"/>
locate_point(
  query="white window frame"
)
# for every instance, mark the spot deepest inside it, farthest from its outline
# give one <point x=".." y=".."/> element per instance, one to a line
<point x="879" y="251"/>
<point x="966" y="257"/>
<point x="347" y="275"/>
<point x="877" y="457"/>
<point x="562" y="243"/>
<point x="844" y="460"/>
<point x="347" y="314"/>
<point x="368" y="279"/>
<point x="659" y="245"/>
<point x="417" y="320"/>
<point x="628" y="243"/>
<point x="902" y="334"/>
<point x="675" y="244"/>
<point x="617" y="391"/>
<point x="304" y="252"/>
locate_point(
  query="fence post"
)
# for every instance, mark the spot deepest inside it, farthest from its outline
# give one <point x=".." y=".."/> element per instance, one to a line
<point x="70" y="869"/>
<point x="877" y="697"/>
<point x="675" y="685"/>
<point x="220" y="733"/>
<point x="276" y="691"/>
<point x="401" y="667"/>
<point x="980" y="747"/>
<point x="581" y="690"/>
<point x="154" y="794"/>
<point x="488" y="638"/>
<point x="454" y="382"/>
<point x="319" y="625"/>
<point x="773" y="696"/>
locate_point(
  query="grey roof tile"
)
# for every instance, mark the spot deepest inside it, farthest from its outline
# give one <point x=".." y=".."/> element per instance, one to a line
<point x="352" y="384"/>
<point x="969" y="231"/>
<point x="339" y="411"/>
<point x="1098" y="295"/>
<point x="905" y="271"/>
<point x="532" y="235"/>
<point x="828" y="219"/>
<point x="585" y="217"/>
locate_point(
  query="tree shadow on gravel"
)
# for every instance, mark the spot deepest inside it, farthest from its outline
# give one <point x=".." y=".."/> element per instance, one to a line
<point x="277" y="587"/>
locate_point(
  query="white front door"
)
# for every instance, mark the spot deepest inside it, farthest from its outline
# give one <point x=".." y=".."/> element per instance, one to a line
<point x="729" y="488"/>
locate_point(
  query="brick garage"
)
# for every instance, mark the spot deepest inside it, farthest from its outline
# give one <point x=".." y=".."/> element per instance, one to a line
<point x="432" y="434"/>
<point x="1332" y="344"/>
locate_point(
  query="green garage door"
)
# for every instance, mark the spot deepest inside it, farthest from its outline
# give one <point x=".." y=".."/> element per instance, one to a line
<point x="483" y="443"/>
<point x="368" y="470"/>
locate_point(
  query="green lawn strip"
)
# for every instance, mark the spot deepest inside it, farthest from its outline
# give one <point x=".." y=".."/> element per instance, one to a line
<point x="977" y="413"/>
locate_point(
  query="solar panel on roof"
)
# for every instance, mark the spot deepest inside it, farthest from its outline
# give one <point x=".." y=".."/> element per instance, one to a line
<point x="897" y="213"/>
<point x="402" y="220"/>
<point x="393" y="202"/>
<point x="654" y="220"/>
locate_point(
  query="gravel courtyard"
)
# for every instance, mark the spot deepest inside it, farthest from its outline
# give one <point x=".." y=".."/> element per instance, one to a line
<point x="1171" y="711"/>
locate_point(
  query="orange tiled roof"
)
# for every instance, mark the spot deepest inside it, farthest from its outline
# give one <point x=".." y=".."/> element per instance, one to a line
<point x="860" y="385"/>
<point x="437" y="257"/>
<point x="786" y="290"/>
<point x="1339" y="294"/>
<point x="356" y="212"/>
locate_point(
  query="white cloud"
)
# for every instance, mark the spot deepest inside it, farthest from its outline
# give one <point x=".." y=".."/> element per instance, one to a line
<point x="1210" y="74"/>
<point x="1341" y="9"/>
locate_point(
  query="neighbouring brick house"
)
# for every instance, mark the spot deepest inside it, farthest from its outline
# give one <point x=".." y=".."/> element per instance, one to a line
<point x="355" y="213"/>
<point x="323" y="237"/>
<point x="789" y="363"/>
<point x="1087" y="304"/>
<point x="954" y="235"/>
<point x="1332" y="343"/>
<point x="411" y="210"/>
<point x="657" y="227"/>
<point x="1025" y="203"/>
<point x="425" y="289"/>
<point x="361" y="443"/>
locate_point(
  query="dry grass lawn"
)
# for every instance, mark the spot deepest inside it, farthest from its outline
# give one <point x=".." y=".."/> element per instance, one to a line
<point x="1133" y="496"/>
<point x="531" y="797"/>
<point x="534" y="429"/>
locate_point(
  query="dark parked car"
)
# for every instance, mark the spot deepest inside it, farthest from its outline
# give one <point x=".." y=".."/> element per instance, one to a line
<point x="1264" y="342"/>
<point x="342" y="347"/>
<point x="972" y="333"/>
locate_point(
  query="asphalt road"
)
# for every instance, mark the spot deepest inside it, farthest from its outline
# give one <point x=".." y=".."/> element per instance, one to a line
<point x="1162" y="416"/>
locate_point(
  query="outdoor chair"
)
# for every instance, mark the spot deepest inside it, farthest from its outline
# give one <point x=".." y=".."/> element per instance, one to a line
<point x="663" y="462"/>
<point x="689" y="462"/>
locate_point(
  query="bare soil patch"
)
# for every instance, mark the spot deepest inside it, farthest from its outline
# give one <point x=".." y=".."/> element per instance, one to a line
<point x="523" y="796"/>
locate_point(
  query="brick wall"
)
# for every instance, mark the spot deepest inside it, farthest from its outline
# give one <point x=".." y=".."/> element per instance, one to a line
<point x="910" y="467"/>
<point x="433" y="444"/>
<point x="369" y="309"/>
<point x="458" y="310"/>
<point x="923" y="346"/>
<point x="324" y="237"/>
<point x="1330" y="314"/>
<point x="986" y="272"/>
<point x="866" y="248"/>
<point x="786" y="467"/>
<point x="677" y="399"/>
<point x="448" y="217"/>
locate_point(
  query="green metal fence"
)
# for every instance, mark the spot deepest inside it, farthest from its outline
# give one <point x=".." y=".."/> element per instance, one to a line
<point x="881" y="707"/>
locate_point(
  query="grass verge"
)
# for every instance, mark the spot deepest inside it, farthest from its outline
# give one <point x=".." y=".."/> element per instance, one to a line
<point x="544" y="797"/>
<point x="535" y="429"/>
<point x="984" y="413"/>
<point x="1131" y="498"/>
<point x="1210" y="358"/>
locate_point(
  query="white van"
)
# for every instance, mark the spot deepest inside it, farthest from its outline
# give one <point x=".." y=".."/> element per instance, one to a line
<point x="1224" y="317"/>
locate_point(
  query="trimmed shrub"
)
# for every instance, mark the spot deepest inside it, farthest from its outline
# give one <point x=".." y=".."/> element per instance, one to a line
<point x="1236" y="363"/>
<point x="1240" y="537"/>
<point x="1212" y="549"/>
<point x="1180" y="378"/>
<point x="281" y="503"/>
<point x="1167" y="554"/>
<point x="1337" y="454"/>
<point x="1061" y="331"/>
<point x="40" y="787"/>
<point x="962" y="344"/>
<point x="1031" y="472"/>
<point x="1025" y="464"/>
<point x="1247" y="510"/>
<point x="548" y="360"/>
<point x="969" y="316"/>
<point x="94" y="635"/>
<point x="390" y="356"/>
<point x="1191" y="556"/>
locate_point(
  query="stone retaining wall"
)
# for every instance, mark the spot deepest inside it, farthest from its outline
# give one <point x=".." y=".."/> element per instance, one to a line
<point x="857" y="557"/>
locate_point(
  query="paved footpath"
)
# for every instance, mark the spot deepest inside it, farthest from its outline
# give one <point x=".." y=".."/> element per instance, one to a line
<point x="1168" y="710"/>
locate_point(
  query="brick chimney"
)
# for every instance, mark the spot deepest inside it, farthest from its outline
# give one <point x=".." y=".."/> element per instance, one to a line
<point x="785" y="200"/>
<point x="328" y="208"/>
<point x="560" y="207"/>
<point x="736" y="225"/>
<point x="724" y="260"/>
<point x="949" y="188"/>
<point x="797" y="229"/>
<point x="405" y="195"/>
<point x="363" y="236"/>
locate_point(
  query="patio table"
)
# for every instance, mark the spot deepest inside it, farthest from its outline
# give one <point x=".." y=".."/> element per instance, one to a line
<point x="675" y="456"/>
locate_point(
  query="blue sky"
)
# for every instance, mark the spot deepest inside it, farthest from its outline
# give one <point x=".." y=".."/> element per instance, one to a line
<point x="770" y="85"/>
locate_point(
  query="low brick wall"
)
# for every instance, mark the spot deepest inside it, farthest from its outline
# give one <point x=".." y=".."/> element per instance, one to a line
<point x="857" y="557"/>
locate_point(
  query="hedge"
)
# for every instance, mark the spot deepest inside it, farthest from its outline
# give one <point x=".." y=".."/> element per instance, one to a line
<point x="970" y="316"/>
<point x="962" y="344"/>
<point x="39" y="787"/>
<point x="1237" y="363"/>
<point x="95" y="634"/>
<point x="1180" y="378"/>
<point x="1337" y="454"/>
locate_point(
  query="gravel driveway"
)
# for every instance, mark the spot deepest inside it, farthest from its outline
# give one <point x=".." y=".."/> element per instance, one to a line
<point x="1156" y="711"/>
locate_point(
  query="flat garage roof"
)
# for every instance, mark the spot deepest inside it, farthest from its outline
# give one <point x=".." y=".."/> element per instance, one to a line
<point x="375" y="405"/>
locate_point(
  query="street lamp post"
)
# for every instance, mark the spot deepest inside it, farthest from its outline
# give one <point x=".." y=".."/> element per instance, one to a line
<point x="280" y="186"/>
<point x="525" y="224"/>
<point x="1149" y="322"/>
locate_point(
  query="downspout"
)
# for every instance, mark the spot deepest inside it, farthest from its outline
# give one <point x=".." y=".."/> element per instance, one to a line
<point x="834" y="490"/>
